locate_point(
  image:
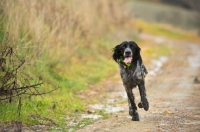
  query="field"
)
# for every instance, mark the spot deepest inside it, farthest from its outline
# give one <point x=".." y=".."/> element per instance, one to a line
<point x="173" y="15"/>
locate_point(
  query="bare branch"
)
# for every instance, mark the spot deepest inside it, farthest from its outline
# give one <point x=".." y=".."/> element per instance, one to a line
<point x="14" y="81"/>
<point x="43" y="92"/>
<point x="22" y="62"/>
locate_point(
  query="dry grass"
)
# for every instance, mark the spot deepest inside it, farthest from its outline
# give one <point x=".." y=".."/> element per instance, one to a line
<point x="67" y="42"/>
<point x="64" y="39"/>
<point x="59" y="27"/>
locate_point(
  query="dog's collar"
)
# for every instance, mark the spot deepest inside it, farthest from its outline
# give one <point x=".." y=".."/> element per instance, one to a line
<point x="122" y="60"/>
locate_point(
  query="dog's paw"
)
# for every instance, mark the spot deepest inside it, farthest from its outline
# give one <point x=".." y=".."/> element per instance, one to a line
<point x="135" y="117"/>
<point x="140" y="105"/>
<point x="144" y="104"/>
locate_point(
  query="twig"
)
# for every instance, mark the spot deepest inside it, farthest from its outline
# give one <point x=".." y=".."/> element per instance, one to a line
<point x="42" y="93"/>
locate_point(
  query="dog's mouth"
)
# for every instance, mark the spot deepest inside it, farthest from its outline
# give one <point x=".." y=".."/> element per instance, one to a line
<point x="128" y="59"/>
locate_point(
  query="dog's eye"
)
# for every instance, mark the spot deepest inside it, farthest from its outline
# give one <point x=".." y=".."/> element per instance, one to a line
<point x="131" y="46"/>
<point x="123" y="47"/>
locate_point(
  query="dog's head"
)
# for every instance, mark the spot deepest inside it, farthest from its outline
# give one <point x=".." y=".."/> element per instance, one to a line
<point x="128" y="51"/>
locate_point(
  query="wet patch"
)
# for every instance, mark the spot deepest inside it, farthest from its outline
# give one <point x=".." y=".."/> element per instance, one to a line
<point x="157" y="65"/>
<point x="108" y="108"/>
<point x="91" y="116"/>
<point x="194" y="59"/>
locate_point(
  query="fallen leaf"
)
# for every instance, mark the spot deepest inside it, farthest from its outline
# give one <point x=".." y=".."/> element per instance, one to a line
<point x="167" y="112"/>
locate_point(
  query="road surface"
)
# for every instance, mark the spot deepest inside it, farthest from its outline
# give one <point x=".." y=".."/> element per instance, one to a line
<point x="173" y="93"/>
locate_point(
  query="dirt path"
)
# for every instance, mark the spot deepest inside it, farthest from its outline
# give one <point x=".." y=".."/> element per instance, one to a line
<point x="173" y="95"/>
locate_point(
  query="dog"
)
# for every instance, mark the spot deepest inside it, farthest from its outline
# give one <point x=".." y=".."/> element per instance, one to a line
<point x="132" y="71"/>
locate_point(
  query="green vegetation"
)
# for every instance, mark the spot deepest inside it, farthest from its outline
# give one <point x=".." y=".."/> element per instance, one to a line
<point x="82" y="123"/>
<point x="165" y="31"/>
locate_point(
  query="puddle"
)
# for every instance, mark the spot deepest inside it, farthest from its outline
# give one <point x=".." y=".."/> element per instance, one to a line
<point x="194" y="60"/>
<point x="91" y="116"/>
<point x="97" y="106"/>
<point x="157" y="65"/>
<point x="108" y="108"/>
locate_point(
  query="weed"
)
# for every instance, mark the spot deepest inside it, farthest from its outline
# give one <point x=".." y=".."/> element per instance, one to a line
<point x="83" y="122"/>
<point x="102" y="113"/>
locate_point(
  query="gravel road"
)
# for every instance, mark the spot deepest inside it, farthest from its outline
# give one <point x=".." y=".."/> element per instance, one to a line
<point x="173" y="91"/>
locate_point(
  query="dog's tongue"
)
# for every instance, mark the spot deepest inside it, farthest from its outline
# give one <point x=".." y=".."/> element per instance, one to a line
<point x="128" y="60"/>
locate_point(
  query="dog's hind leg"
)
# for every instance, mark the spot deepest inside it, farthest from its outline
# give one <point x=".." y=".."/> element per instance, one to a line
<point x="132" y="106"/>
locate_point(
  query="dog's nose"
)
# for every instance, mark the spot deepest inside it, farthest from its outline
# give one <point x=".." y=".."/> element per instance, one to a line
<point x="127" y="53"/>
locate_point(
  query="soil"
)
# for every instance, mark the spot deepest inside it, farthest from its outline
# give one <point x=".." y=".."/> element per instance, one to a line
<point x="173" y="91"/>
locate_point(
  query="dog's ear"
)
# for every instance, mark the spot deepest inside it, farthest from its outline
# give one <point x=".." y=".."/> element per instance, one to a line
<point x="116" y="53"/>
<point x="136" y="55"/>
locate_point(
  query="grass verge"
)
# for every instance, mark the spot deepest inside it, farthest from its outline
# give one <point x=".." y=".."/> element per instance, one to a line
<point x="166" y="31"/>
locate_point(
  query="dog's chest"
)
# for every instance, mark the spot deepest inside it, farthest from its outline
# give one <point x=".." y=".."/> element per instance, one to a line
<point x="131" y="77"/>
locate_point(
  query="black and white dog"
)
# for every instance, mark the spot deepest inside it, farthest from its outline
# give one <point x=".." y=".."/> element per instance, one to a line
<point x="132" y="71"/>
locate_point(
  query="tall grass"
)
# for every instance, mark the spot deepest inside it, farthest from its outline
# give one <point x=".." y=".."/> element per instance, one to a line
<point x="59" y="34"/>
<point x="67" y="43"/>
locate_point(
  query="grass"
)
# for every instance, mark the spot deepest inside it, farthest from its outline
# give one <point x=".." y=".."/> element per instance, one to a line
<point x="60" y="49"/>
<point x="166" y="31"/>
<point x="82" y="123"/>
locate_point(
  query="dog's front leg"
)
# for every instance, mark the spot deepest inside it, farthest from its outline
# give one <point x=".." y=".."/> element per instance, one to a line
<point x="144" y="102"/>
<point x="132" y="105"/>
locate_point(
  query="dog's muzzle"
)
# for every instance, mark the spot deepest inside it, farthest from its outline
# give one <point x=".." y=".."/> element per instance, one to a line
<point x="127" y="52"/>
<point x="127" y="55"/>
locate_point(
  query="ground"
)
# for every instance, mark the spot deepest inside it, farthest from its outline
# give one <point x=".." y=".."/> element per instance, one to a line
<point x="173" y="91"/>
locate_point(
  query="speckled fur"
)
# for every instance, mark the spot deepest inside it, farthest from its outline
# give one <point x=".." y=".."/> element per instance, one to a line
<point x="132" y="76"/>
